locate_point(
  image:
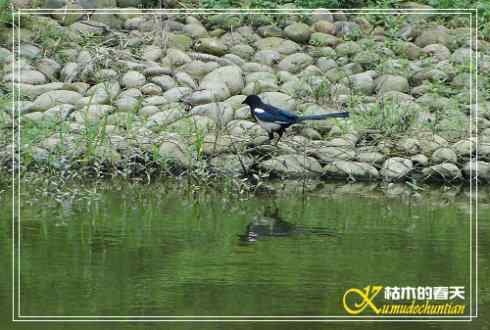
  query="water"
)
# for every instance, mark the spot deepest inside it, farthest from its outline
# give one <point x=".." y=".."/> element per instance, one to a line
<point x="149" y="251"/>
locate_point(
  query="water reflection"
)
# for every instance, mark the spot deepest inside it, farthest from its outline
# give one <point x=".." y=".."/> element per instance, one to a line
<point x="272" y="224"/>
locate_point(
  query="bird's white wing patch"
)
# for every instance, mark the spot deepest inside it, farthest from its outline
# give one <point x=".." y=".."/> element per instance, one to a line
<point x="259" y="110"/>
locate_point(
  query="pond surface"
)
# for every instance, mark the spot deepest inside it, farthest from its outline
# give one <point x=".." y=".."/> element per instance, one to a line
<point x="153" y="252"/>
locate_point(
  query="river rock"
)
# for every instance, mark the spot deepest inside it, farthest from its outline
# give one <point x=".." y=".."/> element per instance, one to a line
<point x="53" y="98"/>
<point x="32" y="77"/>
<point x="231" y="76"/>
<point x="396" y="168"/>
<point x="361" y="82"/>
<point x="329" y="154"/>
<point x="58" y="113"/>
<point x="149" y="110"/>
<point x="50" y="68"/>
<point x="68" y="17"/>
<point x="346" y="28"/>
<point x="217" y="144"/>
<point x="462" y="55"/>
<point x="295" y="62"/>
<point x="92" y="113"/>
<point x="472" y="168"/>
<point x="104" y="92"/>
<point x="177" y="57"/>
<point x="437" y="52"/>
<point x="127" y="104"/>
<point x="195" y="30"/>
<point x="174" y="154"/>
<point x="92" y="28"/>
<point x="438" y="35"/>
<point x="33" y="91"/>
<point x="269" y="31"/>
<point x="371" y="157"/>
<point x="164" y="118"/>
<point x="220" y="112"/>
<point x="464" y="148"/>
<point x="245" y="128"/>
<point x="298" y="32"/>
<point x="321" y="14"/>
<point x="446" y="172"/>
<point x="244" y="51"/>
<point x="70" y="72"/>
<point x="185" y="79"/>
<point x="280" y="100"/>
<point x="198" y="69"/>
<point x="386" y="83"/>
<point x="324" y="27"/>
<point x="267" y="57"/>
<point x="319" y="39"/>
<point x="156" y="100"/>
<point x="177" y="94"/>
<point x="444" y="155"/>
<point x="152" y="53"/>
<point x="133" y="79"/>
<point x="234" y="165"/>
<point x="151" y="89"/>
<point x="131" y="92"/>
<point x="351" y="170"/>
<point x="292" y="166"/>
<point x="164" y="81"/>
<point x="420" y="160"/>
<point x="283" y="46"/>
<point x="211" y="46"/>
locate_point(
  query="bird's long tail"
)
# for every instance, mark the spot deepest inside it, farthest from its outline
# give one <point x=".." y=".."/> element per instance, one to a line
<point x="322" y="116"/>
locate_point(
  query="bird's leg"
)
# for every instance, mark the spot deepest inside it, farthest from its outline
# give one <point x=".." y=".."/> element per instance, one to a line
<point x="271" y="136"/>
<point x="280" y="132"/>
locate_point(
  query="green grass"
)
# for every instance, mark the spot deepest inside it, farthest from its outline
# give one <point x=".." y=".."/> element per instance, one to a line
<point x="389" y="119"/>
<point x="5" y="12"/>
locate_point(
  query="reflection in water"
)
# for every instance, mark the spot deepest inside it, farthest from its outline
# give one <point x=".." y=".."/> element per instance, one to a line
<point x="149" y="253"/>
<point x="271" y="224"/>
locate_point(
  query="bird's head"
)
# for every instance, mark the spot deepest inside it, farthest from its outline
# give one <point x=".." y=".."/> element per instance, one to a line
<point x="252" y="101"/>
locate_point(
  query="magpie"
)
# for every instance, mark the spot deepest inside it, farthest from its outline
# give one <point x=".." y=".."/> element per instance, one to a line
<point x="275" y="120"/>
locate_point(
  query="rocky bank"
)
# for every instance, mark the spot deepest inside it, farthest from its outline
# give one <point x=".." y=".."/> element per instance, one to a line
<point x="124" y="91"/>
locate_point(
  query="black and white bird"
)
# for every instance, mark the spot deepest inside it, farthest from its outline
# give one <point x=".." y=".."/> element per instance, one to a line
<point x="275" y="120"/>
